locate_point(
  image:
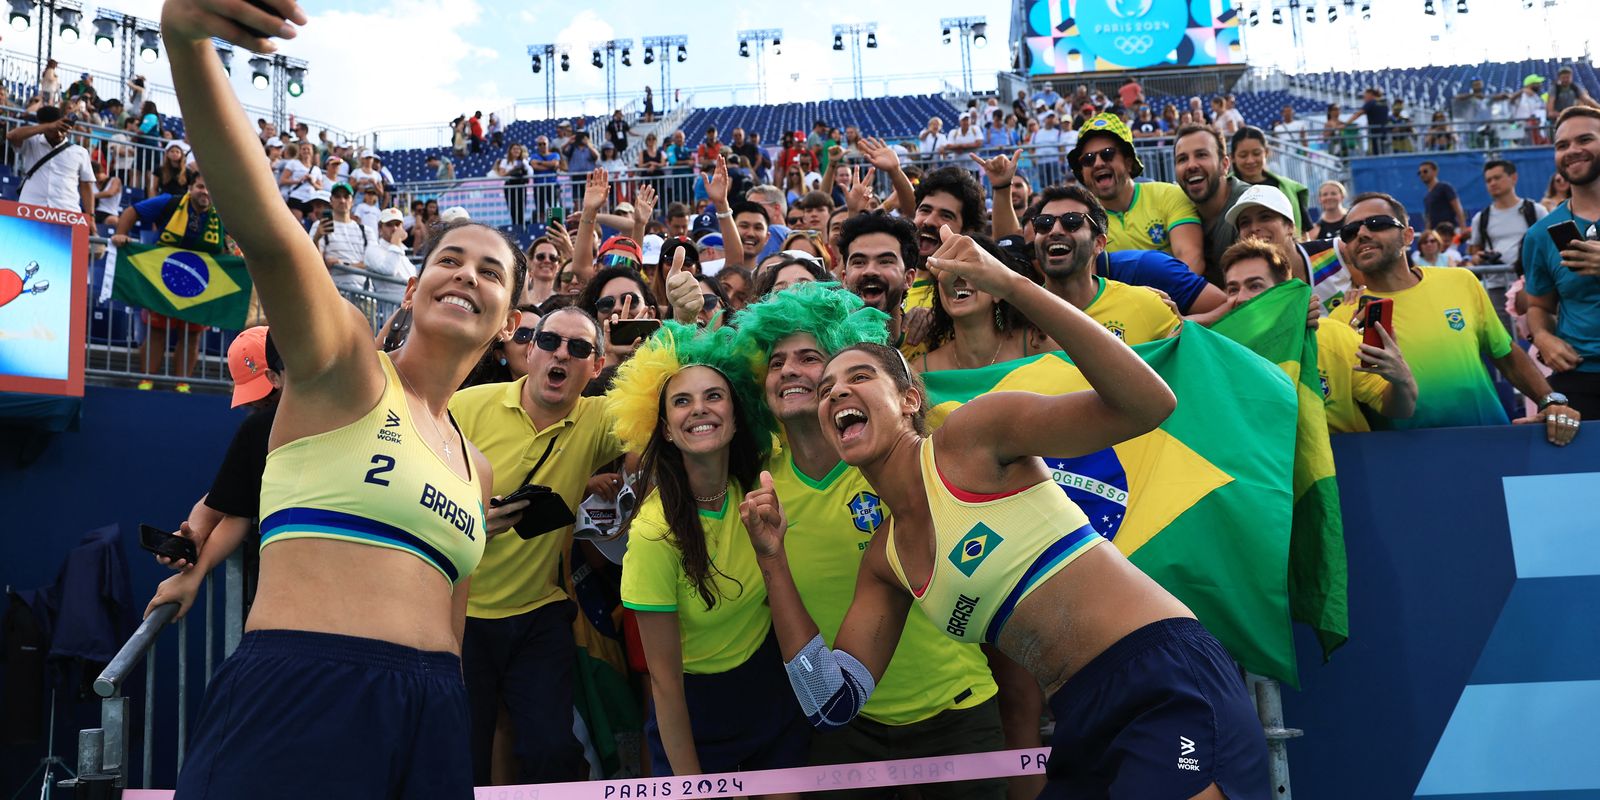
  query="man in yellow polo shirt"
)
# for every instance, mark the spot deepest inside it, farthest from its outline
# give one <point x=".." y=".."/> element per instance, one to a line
<point x="1143" y="216"/>
<point x="1252" y="266"/>
<point x="937" y="696"/>
<point x="1068" y="238"/>
<point x="518" y="649"/>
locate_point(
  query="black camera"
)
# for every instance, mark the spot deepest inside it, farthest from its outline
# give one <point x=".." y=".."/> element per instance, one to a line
<point x="1490" y="257"/>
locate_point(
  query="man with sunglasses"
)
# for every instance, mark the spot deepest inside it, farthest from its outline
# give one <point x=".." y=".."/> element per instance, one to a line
<point x="1068" y="239"/>
<point x="518" y="649"/>
<point x="1443" y="322"/>
<point x="1142" y="216"/>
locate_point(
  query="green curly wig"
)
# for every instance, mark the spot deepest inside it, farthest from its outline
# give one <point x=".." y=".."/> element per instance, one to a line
<point x="634" y="401"/>
<point x="835" y="317"/>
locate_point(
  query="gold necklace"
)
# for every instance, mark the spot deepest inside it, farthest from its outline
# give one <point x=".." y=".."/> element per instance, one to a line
<point x="436" y="432"/>
<point x="992" y="359"/>
<point x="716" y="498"/>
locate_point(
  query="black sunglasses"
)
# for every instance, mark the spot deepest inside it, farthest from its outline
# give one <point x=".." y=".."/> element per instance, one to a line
<point x="1105" y="154"/>
<point x="546" y="257"/>
<point x="1376" y="224"/>
<point x="711" y="301"/>
<point x="550" y="341"/>
<point x="1071" y="221"/>
<point x="523" y="335"/>
<point x="605" y="305"/>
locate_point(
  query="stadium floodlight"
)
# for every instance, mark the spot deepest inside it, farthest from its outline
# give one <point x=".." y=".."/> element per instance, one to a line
<point x="1255" y="18"/>
<point x="105" y="34"/>
<point x="980" y="35"/>
<point x="744" y="49"/>
<point x="1461" y="6"/>
<point x="683" y="54"/>
<point x="1366" y="11"/>
<point x="1277" y="16"/>
<point x="260" y="72"/>
<point x="296" y="81"/>
<point x="1333" y="13"/>
<point x="224" y="52"/>
<point x="627" y="57"/>
<point x="21" y="14"/>
<point x="777" y="45"/>
<point x="946" y="35"/>
<point x="1311" y="13"/>
<point x="872" y="40"/>
<point x="538" y="64"/>
<point x="149" y="45"/>
<point x="838" y="41"/>
<point x="1427" y="8"/>
<point x="649" y="56"/>
<point x="566" y="63"/>
<point x="596" y="61"/>
<point x="69" y="20"/>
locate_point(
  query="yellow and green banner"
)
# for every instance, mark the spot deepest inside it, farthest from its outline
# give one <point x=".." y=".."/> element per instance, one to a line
<point x="183" y="284"/>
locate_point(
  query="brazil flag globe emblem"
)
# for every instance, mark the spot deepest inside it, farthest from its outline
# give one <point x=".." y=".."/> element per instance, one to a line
<point x="970" y="552"/>
<point x="202" y="288"/>
<point x="185" y="273"/>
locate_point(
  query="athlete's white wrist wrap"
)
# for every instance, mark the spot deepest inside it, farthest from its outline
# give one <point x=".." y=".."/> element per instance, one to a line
<point x="831" y="685"/>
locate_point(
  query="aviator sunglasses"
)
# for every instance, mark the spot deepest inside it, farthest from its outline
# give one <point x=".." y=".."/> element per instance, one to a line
<point x="550" y="341"/>
<point x="1376" y="224"/>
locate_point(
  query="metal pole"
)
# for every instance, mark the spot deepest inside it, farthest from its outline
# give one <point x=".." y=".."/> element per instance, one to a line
<point x="211" y="584"/>
<point x="1269" y="706"/>
<point x="233" y="599"/>
<point x="149" y="711"/>
<point x="183" y="687"/>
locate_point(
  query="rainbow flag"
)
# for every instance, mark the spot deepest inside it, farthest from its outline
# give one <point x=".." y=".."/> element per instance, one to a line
<point x="1203" y="504"/>
<point x="1273" y="325"/>
<point x="192" y="286"/>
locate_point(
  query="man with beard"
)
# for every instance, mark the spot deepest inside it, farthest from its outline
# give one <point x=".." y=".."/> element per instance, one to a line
<point x="518" y="646"/>
<point x="1205" y="175"/>
<point x="1566" y="284"/>
<point x="948" y="196"/>
<point x="937" y="696"/>
<point x="1145" y="216"/>
<point x="1443" y="323"/>
<point x="877" y="253"/>
<point x="1265" y="212"/>
<point x="1069" y="236"/>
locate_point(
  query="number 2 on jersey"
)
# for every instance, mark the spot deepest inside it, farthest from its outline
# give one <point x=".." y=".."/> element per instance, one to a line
<point x="382" y="464"/>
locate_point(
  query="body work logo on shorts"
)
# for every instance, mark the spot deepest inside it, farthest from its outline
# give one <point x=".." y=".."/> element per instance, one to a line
<point x="866" y="511"/>
<point x="973" y="548"/>
<point x="1453" y="316"/>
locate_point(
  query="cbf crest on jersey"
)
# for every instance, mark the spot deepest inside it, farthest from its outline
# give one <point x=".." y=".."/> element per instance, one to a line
<point x="866" y="511"/>
<point x="1453" y="316"/>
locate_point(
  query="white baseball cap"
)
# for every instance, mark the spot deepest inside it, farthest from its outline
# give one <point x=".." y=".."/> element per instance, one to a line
<point x="454" y="213"/>
<point x="391" y="215"/>
<point x="650" y="249"/>
<point x="1265" y="196"/>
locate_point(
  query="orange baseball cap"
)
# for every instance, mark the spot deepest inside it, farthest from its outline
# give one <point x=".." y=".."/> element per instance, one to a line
<point x="247" y="365"/>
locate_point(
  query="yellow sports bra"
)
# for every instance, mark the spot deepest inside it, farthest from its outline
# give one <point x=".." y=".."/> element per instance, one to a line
<point x="375" y="482"/>
<point x="991" y="550"/>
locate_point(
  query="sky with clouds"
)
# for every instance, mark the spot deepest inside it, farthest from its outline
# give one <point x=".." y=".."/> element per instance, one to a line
<point x="424" y="61"/>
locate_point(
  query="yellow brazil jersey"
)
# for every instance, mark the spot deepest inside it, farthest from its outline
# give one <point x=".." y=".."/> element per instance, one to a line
<point x="375" y="481"/>
<point x="1445" y="326"/>
<point x="1135" y="314"/>
<point x="1157" y="208"/>
<point x="1338" y="354"/>
<point x="831" y="521"/>
<point x="918" y="295"/>
<point x="518" y="575"/>
<point x="714" y="640"/>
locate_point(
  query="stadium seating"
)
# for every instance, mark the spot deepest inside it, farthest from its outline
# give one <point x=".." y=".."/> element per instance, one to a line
<point x="886" y="117"/>
<point x="1433" y="86"/>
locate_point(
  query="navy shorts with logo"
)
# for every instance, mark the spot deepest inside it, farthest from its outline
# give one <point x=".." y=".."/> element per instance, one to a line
<point x="302" y="714"/>
<point x="1161" y="714"/>
<point x="743" y="719"/>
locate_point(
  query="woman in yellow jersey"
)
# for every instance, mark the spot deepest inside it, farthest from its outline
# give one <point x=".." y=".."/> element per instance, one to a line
<point x="347" y="682"/>
<point x="1147" y="704"/>
<point x="688" y="401"/>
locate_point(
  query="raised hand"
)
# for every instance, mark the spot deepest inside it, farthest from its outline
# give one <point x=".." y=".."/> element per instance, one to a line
<point x="595" y="191"/>
<point x="683" y="290"/>
<point x="717" y="187"/>
<point x="859" y="199"/>
<point x="1000" y="169"/>
<point x="248" y="25"/>
<point x="878" y="154"/>
<point x="644" y="204"/>
<point x="918" y="321"/>
<point x="763" y="518"/>
<point x="557" y="231"/>
<point x="963" y="258"/>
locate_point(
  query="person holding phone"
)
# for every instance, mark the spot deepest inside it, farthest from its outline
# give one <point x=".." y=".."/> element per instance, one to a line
<point x="688" y="402"/>
<point x="1561" y="258"/>
<point x="1355" y="372"/>
<point x="517" y="651"/>
<point x="354" y="641"/>
<point x="1128" y="668"/>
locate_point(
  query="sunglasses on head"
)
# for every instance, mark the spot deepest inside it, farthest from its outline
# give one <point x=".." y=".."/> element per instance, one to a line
<point x="1104" y="154"/>
<point x="550" y="341"/>
<point x="523" y="335"/>
<point x="605" y="305"/>
<point x="1376" y="224"/>
<point x="616" y="259"/>
<point x="1071" y="221"/>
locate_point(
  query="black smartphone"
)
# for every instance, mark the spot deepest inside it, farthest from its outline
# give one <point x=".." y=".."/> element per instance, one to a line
<point x="522" y="493"/>
<point x="1564" y="234"/>
<point x="627" y="331"/>
<point x="546" y="512"/>
<point x="327" y="214"/>
<point x="170" y="545"/>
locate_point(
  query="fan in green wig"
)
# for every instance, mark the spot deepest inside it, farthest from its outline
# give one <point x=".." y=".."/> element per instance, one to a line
<point x="635" y="397"/>
<point x="835" y="317"/>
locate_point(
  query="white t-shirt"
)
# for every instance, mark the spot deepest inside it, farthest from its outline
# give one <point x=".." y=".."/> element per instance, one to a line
<point x="387" y="258"/>
<point x="932" y="143"/>
<point x="110" y="204"/>
<point x="56" y="183"/>
<point x="1294" y="131"/>
<point x="614" y="167"/>
<point x="301" y="176"/>
<point x="510" y="166"/>
<point x="348" y="243"/>
<point x="1506" y="228"/>
<point x="366" y="177"/>
<point x="1046" y="145"/>
<point x="1229" y="122"/>
<point x="368" y="214"/>
<point x="973" y="136"/>
<point x="121" y="153"/>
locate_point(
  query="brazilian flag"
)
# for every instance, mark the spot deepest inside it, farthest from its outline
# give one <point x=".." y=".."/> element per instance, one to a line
<point x="1203" y="504"/>
<point x="192" y="286"/>
<point x="1273" y="325"/>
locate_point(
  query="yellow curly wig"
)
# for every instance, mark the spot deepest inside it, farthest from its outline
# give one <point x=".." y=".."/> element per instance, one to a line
<point x="634" y="401"/>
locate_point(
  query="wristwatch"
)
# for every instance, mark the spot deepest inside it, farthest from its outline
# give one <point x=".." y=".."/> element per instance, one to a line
<point x="1552" y="399"/>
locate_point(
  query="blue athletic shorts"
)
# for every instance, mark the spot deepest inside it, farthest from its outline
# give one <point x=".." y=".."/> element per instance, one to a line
<point x="301" y="714"/>
<point x="1161" y="714"/>
<point x="743" y="719"/>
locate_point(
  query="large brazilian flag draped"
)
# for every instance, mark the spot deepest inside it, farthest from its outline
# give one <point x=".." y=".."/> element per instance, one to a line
<point x="1202" y="504"/>
<point x="1273" y="325"/>
<point x="195" y="287"/>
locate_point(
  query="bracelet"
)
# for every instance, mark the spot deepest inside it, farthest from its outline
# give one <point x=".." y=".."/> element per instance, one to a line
<point x="725" y="214"/>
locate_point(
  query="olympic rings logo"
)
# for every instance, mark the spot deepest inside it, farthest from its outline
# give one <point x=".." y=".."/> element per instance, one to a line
<point x="1134" y="45"/>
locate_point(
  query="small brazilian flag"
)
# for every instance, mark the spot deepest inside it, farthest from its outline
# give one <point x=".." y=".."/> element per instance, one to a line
<point x="195" y="287"/>
<point x="1203" y="503"/>
<point x="1273" y="324"/>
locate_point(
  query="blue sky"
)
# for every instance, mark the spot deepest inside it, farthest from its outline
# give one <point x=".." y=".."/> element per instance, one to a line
<point x="462" y="55"/>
